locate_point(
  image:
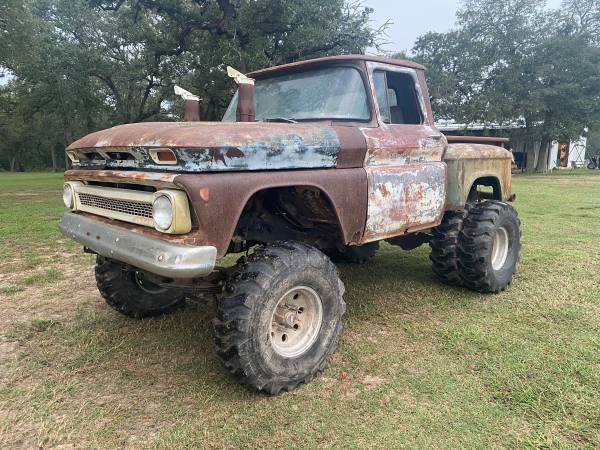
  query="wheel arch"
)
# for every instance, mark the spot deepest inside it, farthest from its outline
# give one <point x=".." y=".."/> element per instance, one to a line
<point x="322" y="205"/>
<point x="487" y="181"/>
<point x="218" y="200"/>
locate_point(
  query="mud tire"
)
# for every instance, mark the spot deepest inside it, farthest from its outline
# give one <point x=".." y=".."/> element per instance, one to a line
<point x="354" y="254"/>
<point x="118" y="286"/>
<point x="242" y="327"/>
<point x="476" y="246"/>
<point x="444" y="248"/>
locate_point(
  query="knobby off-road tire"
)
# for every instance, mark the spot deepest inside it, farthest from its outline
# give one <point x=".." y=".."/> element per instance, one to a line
<point x="444" y="248"/>
<point x="129" y="293"/>
<point x="271" y="291"/>
<point x="489" y="245"/>
<point x="355" y="254"/>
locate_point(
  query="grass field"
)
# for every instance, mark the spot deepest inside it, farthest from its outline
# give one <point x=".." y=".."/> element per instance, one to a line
<point x="419" y="364"/>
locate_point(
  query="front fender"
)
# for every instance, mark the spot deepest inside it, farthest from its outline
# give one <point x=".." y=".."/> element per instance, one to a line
<point x="219" y="199"/>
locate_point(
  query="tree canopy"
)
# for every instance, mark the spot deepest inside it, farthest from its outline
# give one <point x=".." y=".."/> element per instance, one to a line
<point x="76" y="66"/>
<point x="516" y="62"/>
<point x="82" y="65"/>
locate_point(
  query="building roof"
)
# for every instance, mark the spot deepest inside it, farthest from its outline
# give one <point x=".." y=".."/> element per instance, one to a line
<point x="327" y="59"/>
<point x="451" y="125"/>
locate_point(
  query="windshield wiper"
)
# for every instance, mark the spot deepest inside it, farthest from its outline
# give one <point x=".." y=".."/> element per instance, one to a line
<point x="280" y="119"/>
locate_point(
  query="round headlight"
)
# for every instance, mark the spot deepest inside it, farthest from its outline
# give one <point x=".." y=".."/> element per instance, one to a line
<point x="68" y="196"/>
<point x="162" y="212"/>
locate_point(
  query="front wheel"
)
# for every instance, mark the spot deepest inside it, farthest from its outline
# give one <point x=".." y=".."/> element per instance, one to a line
<point x="279" y="317"/>
<point x="489" y="245"/>
<point x="591" y="165"/>
<point x="129" y="291"/>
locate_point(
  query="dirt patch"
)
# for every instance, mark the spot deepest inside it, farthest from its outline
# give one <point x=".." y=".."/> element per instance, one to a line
<point x="372" y="381"/>
<point x="61" y="298"/>
<point x="8" y="350"/>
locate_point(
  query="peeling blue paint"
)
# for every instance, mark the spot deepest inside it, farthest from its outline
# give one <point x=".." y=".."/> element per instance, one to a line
<point x="318" y="149"/>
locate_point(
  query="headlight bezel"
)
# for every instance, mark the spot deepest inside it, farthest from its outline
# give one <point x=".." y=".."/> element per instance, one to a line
<point x="181" y="221"/>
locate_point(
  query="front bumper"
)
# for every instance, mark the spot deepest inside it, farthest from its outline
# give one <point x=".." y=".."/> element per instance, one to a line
<point x="157" y="256"/>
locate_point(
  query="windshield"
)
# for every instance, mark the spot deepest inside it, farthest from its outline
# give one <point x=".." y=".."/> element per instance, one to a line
<point x="331" y="93"/>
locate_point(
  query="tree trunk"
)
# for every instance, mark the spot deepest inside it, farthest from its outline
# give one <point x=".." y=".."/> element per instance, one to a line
<point x="533" y="151"/>
<point x="13" y="163"/>
<point x="542" y="163"/>
<point x="54" y="162"/>
<point x="68" y="134"/>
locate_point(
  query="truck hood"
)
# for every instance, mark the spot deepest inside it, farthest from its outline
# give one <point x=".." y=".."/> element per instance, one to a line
<point x="219" y="146"/>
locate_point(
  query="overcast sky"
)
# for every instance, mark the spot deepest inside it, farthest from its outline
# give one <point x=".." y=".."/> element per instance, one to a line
<point x="412" y="19"/>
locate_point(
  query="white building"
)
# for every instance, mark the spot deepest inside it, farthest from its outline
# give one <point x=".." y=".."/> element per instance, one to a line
<point x="563" y="154"/>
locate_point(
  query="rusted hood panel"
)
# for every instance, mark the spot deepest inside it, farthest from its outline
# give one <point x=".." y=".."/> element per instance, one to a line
<point x="475" y="151"/>
<point x="196" y="134"/>
<point x="220" y="146"/>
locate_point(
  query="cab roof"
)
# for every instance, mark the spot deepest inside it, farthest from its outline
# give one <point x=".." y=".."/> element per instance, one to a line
<point x="327" y="59"/>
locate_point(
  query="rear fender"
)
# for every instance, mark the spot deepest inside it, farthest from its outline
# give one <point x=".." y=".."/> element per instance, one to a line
<point x="473" y="164"/>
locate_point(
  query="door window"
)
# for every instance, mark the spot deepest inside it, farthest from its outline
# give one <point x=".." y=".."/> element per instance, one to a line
<point x="397" y="98"/>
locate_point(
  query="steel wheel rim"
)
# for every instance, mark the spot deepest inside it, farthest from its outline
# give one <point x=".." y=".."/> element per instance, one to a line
<point x="500" y="248"/>
<point x="296" y="322"/>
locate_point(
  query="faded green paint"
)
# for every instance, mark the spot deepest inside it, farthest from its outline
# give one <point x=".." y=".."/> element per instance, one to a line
<point x="469" y="162"/>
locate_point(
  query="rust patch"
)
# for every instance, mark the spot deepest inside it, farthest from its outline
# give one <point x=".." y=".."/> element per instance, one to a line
<point x="204" y="194"/>
<point x="234" y="153"/>
<point x="476" y="151"/>
<point x="117" y="176"/>
<point x="499" y="141"/>
<point x="404" y="198"/>
<point x="394" y="145"/>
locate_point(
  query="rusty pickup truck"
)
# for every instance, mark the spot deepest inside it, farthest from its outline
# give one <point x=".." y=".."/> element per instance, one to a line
<point x="314" y="162"/>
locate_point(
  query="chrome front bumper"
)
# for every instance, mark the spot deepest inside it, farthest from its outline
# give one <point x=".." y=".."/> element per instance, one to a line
<point x="157" y="256"/>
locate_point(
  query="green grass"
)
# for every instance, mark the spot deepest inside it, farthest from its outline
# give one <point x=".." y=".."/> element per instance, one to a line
<point x="419" y="364"/>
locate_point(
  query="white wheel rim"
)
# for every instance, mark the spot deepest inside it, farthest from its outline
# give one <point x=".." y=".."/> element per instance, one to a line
<point x="500" y="248"/>
<point x="296" y="321"/>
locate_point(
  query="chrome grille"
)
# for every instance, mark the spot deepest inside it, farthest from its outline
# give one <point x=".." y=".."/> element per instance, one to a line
<point x="133" y="208"/>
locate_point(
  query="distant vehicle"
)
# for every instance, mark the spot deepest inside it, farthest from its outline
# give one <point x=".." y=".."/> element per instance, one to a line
<point x="314" y="162"/>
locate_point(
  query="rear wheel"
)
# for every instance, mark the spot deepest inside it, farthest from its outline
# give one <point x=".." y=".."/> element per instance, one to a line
<point x="131" y="293"/>
<point x="489" y="245"/>
<point x="279" y="316"/>
<point x="591" y="165"/>
<point x="444" y="248"/>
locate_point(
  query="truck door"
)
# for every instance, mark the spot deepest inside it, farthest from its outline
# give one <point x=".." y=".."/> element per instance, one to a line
<point x="406" y="175"/>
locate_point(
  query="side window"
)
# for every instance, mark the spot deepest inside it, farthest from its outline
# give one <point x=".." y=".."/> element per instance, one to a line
<point x="397" y="98"/>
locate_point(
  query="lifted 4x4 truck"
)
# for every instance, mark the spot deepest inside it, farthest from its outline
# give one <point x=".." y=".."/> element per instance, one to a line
<point x="314" y="162"/>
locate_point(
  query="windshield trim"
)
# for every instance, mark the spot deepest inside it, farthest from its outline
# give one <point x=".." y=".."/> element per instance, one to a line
<point x="363" y="77"/>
